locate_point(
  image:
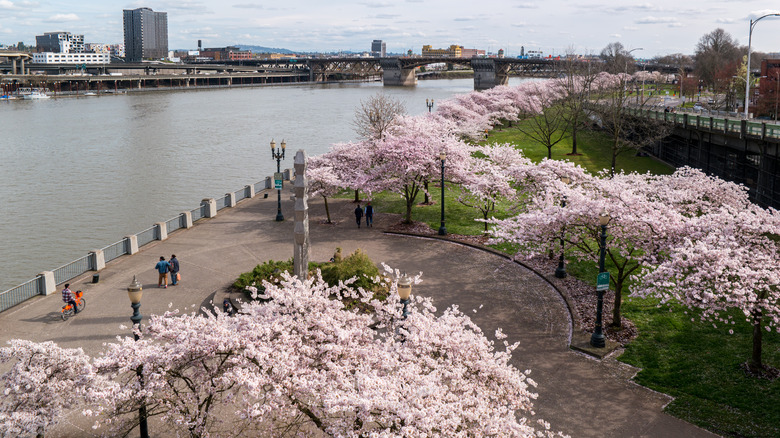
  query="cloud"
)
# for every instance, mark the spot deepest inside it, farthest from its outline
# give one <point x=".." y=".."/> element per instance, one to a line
<point x="249" y="6"/>
<point x="656" y="20"/>
<point x="5" y="4"/>
<point x="630" y="28"/>
<point x="726" y="20"/>
<point x="615" y="35"/>
<point x="376" y="4"/>
<point x="760" y="13"/>
<point x="62" y="18"/>
<point x="519" y="24"/>
<point x="386" y="16"/>
<point x="526" y="5"/>
<point x="465" y="19"/>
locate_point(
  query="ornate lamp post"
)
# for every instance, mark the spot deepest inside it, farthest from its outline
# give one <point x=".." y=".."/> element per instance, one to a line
<point x="442" y="228"/>
<point x="747" y="74"/>
<point x="597" y="339"/>
<point x="135" y="292"/>
<point x="278" y="155"/>
<point x="560" y="271"/>
<point x="404" y="292"/>
<point x="429" y="104"/>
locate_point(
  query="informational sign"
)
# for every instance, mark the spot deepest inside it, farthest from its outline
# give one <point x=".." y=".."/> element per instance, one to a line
<point x="277" y="180"/>
<point x="602" y="281"/>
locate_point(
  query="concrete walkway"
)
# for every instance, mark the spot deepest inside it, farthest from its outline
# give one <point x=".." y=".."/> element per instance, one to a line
<point x="577" y="395"/>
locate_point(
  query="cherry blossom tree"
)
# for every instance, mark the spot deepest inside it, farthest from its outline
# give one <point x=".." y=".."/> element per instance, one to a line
<point x="409" y="155"/>
<point x="727" y="260"/>
<point x="486" y="178"/>
<point x="301" y="362"/>
<point x="645" y="213"/>
<point x="323" y="180"/>
<point x="44" y="384"/>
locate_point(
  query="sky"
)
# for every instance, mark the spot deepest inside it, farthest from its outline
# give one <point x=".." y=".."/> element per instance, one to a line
<point x="555" y="27"/>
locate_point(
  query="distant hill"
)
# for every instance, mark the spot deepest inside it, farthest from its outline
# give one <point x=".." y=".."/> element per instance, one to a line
<point x="261" y="49"/>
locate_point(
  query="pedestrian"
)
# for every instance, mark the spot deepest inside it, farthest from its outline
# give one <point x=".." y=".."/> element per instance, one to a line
<point x="358" y="214"/>
<point x="369" y="215"/>
<point x="174" y="268"/>
<point x="162" y="268"/>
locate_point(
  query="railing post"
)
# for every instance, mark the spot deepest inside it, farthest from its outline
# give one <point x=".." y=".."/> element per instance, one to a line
<point x="269" y="183"/>
<point x="97" y="260"/>
<point x="186" y="219"/>
<point x="763" y="131"/>
<point x="211" y="207"/>
<point x="743" y="129"/>
<point x="249" y="191"/>
<point x="725" y="125"/>
<point x="162" y="230"/>
<point x="46" y="283"/>
<point x="231" y="200"/>
<point x="131" y="244"/>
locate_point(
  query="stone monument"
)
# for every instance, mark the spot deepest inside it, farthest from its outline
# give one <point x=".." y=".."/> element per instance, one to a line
<point x="301" y="254"/>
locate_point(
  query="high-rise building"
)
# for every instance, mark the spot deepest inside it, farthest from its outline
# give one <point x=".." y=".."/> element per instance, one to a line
<point x="378" y="49"/>
<point x="59" y="42"/>
<point x="146" y="34"/>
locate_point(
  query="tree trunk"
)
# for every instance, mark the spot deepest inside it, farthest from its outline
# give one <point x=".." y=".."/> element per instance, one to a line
<point x="574" y="138"/>
<point x="409" y="202"/>
<point x="357" y="196"/>
<point x="549" y="152"/>
<point x="616" y="320"/>
<point x="327" y="210"/>
<point x="755" y="361"/>
<point x="426" y="201"/>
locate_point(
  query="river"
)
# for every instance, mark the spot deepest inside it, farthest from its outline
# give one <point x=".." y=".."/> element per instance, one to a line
<point x="79" y="173"/>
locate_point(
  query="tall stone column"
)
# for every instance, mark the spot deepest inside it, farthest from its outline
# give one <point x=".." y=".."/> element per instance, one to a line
<point x="301" y="254"/>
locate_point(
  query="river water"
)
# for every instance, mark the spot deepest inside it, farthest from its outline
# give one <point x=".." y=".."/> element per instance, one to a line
<point x="80" y="173"/>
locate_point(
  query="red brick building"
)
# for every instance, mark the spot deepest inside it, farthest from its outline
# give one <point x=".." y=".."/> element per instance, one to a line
<point x="769" y="89"/>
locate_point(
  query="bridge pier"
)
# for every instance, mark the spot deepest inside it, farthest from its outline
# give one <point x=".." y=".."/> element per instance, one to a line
<point x="393" y="74"/>
<point x="487" y="74"/>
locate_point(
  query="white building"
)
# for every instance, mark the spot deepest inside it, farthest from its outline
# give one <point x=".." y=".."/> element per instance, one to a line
<point x="71" y="58"/>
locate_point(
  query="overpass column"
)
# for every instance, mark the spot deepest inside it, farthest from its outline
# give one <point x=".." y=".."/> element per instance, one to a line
<point x="13" y="65"/>
<point x="21" y="62"/>
<point x="488" y="74"/>
<point x="393" y="73"/>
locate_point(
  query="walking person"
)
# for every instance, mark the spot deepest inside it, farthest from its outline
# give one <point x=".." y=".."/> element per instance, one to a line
<point x="369" y="215"/>
<point x="162" y="268"/>
<point x="174" y="267"/>
<point x="358" y="214"/>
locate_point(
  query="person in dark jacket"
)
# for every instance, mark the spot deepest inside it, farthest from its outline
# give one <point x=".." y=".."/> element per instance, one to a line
<point x="369" y="215"/>
<point x="174" y="263"/>
<point x="358" y="214"/>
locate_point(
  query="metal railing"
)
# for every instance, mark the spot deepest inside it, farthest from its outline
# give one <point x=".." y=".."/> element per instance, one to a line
<point x="20" y="293"/>
<point x="31" y="288"/>
<point x="72" y="269"/>
<point x="713" y="123"/>
<point x="116" y="250"/>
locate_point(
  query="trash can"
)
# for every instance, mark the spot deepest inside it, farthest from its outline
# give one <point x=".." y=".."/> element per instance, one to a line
<point x="95" y="278"/>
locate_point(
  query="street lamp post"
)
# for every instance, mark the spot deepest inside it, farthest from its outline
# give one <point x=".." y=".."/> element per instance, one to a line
<point x="429" y="104"/>
<point x="404" y="292"/>
<point x="442" y="228"/>
<point x="135" y="292"/>
<point x="747" y="73"/>
<point x="597" y="339"/>
<point x="278" y="155"/>
<point x="560" y="271"/>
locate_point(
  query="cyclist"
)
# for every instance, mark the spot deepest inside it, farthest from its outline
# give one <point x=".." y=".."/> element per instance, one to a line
<point x="67" y="297"/>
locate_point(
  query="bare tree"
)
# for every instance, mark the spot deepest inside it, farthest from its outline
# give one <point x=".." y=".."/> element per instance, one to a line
<point x="374" y="117"/>
<point x="628" y="130"/>
<point x="616" y="58"/>
<point x="576" y="86"/>
<point x="547" y="125"/>
<point x="714" y="51"/>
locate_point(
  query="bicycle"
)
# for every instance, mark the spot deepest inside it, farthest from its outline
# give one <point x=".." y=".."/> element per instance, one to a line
<point x="67" y="309"/>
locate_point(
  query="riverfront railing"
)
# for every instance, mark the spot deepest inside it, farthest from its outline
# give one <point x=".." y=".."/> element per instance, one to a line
<point x="709" y="122"/>
<point x="39" y="286"/>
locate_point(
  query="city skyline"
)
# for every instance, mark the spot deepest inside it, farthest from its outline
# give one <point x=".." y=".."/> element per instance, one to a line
<point x="553" y="27"/>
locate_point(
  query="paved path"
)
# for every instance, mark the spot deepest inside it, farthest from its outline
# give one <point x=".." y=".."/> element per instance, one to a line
<point x="577" y="395"/>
